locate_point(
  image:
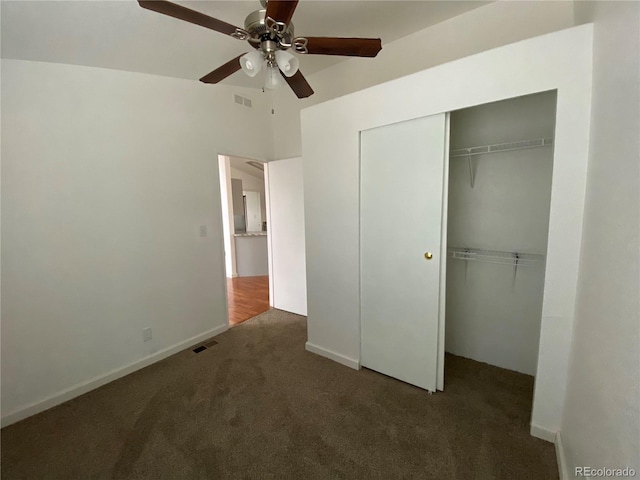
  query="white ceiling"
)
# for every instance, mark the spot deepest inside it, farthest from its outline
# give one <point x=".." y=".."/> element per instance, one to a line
<point x="242" y="165"/>
<point x="121" y="35"/>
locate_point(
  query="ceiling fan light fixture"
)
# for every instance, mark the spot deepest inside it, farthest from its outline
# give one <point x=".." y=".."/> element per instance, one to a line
<point x="272" y="78"/>
<point x="287" y="63"/>
<point x="269" y="31"/>
<point x="252" y="62"/>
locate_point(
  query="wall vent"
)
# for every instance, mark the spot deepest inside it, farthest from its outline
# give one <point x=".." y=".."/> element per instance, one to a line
<point x="240" y="100"/>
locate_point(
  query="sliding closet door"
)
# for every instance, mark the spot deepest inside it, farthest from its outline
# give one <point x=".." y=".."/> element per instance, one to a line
<point x="401" y="197"/>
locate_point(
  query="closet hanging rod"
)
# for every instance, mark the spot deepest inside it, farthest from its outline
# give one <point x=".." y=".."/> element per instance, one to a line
<point x="501" y="147"/>
<point x="515" y="259"/>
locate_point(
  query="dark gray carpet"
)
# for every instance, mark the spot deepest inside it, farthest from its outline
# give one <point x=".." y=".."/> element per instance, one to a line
<point x="258" y="406"/>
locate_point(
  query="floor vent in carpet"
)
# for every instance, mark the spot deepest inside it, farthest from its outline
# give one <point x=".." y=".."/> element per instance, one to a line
<point x="201" y="348"/>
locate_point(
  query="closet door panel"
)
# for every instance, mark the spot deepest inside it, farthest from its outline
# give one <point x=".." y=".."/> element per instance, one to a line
<point x="401" y="193"/>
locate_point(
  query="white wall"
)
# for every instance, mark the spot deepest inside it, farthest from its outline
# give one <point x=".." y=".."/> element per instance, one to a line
<point x="106" y="178"/>
<point x="493" y="314"/>
<point x="286" y="234"/>
<point x="561" y="61"/>
<point x="498" y="23"/>
<point x="601" y="421"/>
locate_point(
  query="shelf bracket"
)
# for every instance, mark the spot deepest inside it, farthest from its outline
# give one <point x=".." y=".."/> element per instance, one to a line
<point x="472" y="178"/>
<point x="516" y="260"/>
<point x="466" y="263"/>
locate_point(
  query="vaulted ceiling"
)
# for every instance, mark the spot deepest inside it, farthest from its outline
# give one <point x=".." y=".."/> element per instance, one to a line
<point x="121" y="35"/>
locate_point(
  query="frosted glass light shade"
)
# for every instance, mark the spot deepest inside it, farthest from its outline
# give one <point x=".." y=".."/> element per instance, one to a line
<point x="272" y="80"/>
<point x="287" y="63"/>
<point x="252" y="62"/>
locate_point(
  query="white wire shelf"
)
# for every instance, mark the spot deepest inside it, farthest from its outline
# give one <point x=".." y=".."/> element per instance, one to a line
<point x="515" y="259"/>
<point x="501" y="147"/>
<point x="496" y="148"/>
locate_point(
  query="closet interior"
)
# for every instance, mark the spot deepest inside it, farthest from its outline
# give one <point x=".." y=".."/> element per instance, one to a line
<point x="499" y="194"/>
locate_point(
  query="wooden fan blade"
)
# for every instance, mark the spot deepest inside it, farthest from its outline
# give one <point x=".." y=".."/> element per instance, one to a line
<point x="188" y="15"/>
<point x="220" y="73"/>
<point x="352" y="47"/>
<point x="281" y="10"/>
<point x="299" y="85"/>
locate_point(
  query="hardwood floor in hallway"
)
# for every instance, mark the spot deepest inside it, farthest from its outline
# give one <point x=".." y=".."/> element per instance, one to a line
<point x="248" y="297"/>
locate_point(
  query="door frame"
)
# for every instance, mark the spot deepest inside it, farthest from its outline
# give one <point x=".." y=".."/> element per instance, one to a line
<point x="443" y="256"/>
<point x="225" y="157"/>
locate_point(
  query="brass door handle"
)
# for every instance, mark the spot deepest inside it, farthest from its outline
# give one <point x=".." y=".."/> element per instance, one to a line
<point x="428" y="255"/>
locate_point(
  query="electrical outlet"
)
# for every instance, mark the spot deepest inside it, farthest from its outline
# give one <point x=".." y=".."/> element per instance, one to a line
<point x="203" y="230"/>
<point x="146" y="334"/>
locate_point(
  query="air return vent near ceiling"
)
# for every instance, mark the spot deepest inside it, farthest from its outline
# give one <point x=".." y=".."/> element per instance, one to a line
<point x="240" y="100"/>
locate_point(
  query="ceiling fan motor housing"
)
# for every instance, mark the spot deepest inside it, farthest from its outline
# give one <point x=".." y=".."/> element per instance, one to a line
<point x="256" y="25"/>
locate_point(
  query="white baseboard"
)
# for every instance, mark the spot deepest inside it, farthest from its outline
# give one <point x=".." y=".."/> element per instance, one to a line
<point x="336" y="357"/>
<point x="84" y="387"/>
<point x="562" y="461"/>
<point x="543" y="433"/>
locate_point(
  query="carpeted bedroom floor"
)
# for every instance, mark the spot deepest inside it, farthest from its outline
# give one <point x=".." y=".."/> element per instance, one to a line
<point x="258" y="406"/>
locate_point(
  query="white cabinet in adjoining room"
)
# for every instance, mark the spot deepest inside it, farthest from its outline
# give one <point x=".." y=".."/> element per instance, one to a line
<point x="252" y="254"/>
<point x="252" y="211"/>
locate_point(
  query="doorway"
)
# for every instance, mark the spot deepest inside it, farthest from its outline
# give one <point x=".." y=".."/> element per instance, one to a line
<point x="242" y="187"/>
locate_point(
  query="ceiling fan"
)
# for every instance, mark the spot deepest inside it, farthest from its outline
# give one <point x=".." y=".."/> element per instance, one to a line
<point x="271" y="33"/>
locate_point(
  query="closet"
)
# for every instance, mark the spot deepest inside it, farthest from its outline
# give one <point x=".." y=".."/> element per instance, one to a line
<point x="499" y="194"/>
<point x="454" y="221"/>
